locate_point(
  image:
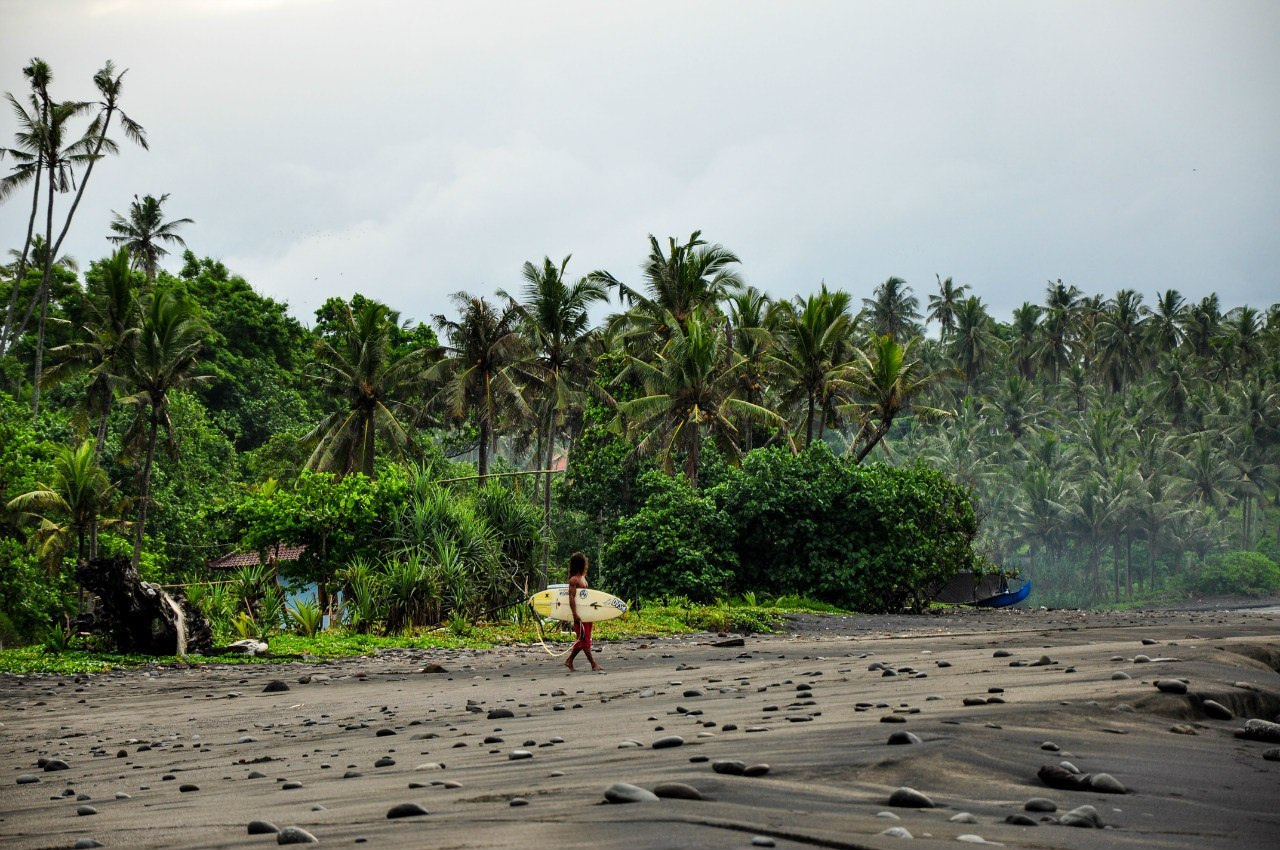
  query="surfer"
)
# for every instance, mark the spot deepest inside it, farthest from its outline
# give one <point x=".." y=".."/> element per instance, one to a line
<point x="577" y="582"/>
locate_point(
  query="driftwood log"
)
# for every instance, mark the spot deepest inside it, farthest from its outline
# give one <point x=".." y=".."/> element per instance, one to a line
<point x="141" y="617"/>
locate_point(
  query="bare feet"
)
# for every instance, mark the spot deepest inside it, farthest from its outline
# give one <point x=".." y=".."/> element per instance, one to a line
<point x="597" y="668"/>
<point x="569" y="664"/>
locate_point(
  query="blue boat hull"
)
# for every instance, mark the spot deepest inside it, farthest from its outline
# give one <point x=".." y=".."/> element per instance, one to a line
<point x="1002" y="600"/>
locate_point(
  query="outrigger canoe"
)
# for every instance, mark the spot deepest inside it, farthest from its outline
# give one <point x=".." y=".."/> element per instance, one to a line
<point x="984" y="591"/>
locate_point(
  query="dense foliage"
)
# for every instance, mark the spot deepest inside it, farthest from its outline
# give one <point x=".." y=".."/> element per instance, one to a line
<point x="713" y="439"/>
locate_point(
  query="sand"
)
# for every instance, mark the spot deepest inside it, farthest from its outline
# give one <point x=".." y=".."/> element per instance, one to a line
<point x="805" y="704"/>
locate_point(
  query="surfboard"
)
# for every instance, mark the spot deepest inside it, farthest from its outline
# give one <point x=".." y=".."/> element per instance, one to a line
<point x="593" y="605"/>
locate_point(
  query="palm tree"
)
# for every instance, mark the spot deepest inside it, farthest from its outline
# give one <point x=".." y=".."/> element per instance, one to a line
<point x="356" y="369"/>
<point x="885" y="383"/>
<point x="813" y="350"/>
<point x="894" y="310"/>
<point x="556" y="319"/>
<point x="144" y="229"/>
<point x="942" y="307"/>
<point x="479" y="375"/>
<point x="1202" y="326"/>
<point x="1026" y="330"/>
<point x="1121" y="335"/>
<point x="749" y="332"/>
<point x="108" y="337"/>
<point x="78" y="500"/>
<point x="1244" y="332"/>
<point x="1058" y="348"/>
<point x="690" y="393"/>
<point x="164" y="359"/>
<point x="1164" y="323"/>
<point x="975" y="344"/>
<point x="678" y="284"/>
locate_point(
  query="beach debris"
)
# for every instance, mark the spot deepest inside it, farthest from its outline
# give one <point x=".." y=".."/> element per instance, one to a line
<point x="248" y="647"/>
<point x="140" y="616"/>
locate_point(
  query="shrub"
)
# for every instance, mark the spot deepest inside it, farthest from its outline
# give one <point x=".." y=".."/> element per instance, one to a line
<point x="864" y="537"/>
<point x="1250" y="573"/>
<point x="678" y="544"/>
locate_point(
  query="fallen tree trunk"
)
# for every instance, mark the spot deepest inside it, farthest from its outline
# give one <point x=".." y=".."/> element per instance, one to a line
<point x="140" y="616"/>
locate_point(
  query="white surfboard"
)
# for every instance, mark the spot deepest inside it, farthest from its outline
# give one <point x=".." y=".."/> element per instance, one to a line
<point x="593" y="605"/>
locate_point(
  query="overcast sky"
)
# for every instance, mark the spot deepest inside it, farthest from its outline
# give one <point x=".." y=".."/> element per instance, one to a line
<point x="409" y="150"/>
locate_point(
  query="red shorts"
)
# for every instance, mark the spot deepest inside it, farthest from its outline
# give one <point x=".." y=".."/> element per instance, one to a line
<point x="584" y="637"/>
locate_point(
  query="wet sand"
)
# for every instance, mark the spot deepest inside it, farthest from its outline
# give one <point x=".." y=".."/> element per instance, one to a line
<point x="805" y="704"/>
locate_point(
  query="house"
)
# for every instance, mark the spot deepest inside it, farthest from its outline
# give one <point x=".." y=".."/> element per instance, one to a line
<point x="235" y="560"/>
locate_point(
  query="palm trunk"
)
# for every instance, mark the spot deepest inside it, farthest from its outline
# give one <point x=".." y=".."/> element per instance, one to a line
<point x="1151" y="566"/>
<point x="42" y="295"/>
<point x="1128" y="568"/>
<point x="102" y="430"/>
<point x="691" y="457"/>
<point x="482" y="464"/>
<point x="546" y="503"/>
<point x="11" y="311"/>
<point x="146" y="486"/>
<point x="808" y="424"/>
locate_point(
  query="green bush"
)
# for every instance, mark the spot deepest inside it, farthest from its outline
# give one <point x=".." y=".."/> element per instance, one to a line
<point x="863" y="537"/>
<point x="1250" y="573"/>
<point x="678" y="544"/>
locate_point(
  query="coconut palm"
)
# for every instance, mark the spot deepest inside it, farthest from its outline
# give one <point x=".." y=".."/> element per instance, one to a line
<point x="355" y="369"/>
<point x="105" y="341"/>
<point x="164" y="359"/>
<point x="689" y="394"/>
<point x="144" y="230"/>
<point x="894" y="310"/>
<point x="886" y="382"/>
<point x="975" y="346"/>
<point x="813" y="349"/>
<point x="78" y="501"/>
<point x="943" y="306"/>
<point x="1026" y="330"/>
<point x="1164" y="323"/>
<point x="1059" y="334"/>
<point x="555" y="316"/>
<point x="480" y="374"/>
<point x="678" y="284"/>
<point x="749" y="334"/>
<point x="1121" y="336"/>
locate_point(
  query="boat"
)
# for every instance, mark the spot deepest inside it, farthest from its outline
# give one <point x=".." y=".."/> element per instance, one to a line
<point x="989" y="590"/>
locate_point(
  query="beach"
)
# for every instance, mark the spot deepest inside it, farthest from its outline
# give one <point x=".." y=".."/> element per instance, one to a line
<point x="805" y="738"/>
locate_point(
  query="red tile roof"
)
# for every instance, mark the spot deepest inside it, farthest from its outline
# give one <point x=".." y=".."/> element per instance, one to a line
<point x="236" y="560"/>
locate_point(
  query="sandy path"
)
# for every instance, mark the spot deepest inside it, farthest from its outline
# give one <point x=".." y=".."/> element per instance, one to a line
<point x="818" y="708"/>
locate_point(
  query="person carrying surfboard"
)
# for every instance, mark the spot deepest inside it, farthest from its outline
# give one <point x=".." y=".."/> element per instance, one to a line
<point x="578" y="582"/>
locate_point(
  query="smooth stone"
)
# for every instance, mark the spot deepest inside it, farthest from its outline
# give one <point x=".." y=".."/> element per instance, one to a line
<point x="384" y="733"/>
<point x="86" y="810"/>
<point x="1040" y="804"/>
<point x="406" y="810"/>
<point x="909" y="798"/>
<point x="903" y="737"/>
<point x="893" y="718"/>
<point x="667" y="742"/>
<point x="1141" y="659"/>
<point x="677" y="791"/>
<point x="55" y="764"/>
<point x="962" y="817"/>
<point x="28" y="779"/>
<point x="295" y="835"/>
<point x="624" y="792"/>
<point x="290" y="786"/>
<point x="247" y="739"/>
<point x="1260" y="730"/>
<point x="516" y="802"/>
<point x="1171" y="686"/>
<point x="519" y="755"/>
<point x="501" y="714"/>
<point x="275" y="686"/>
<point x="755" y="770"/>
<point x="693" y="692"/>
<point x="887" y="816"/>
<point x="1272" y="754"/>
<point x="431" y="765"/>
<point x="897" y="832"/>
<point x="120" y="795"/>
<point x="763" y="841"/>
<point x="1060" y="777"/>
<point x="1001" y="653"/>
<point x="975" y="700"/>
<point x="968" y="838"/>
<point x="262" y="827"/>
<point x="187" y="787"/>
<point x="1021" y="820"/>
<point x="1216" y="710"/>
<point x="1082" y="816"/>
<point x="256" y="774"/>
<point x="86" y="843"/>
<point x="1182" y="729"/>
<point x="1120" y="674"/>
<point x="385" y="761"/>
<point x="1107" y="784"/>
<point x="1050" y="746"/>
<point x="729" y="767"/>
